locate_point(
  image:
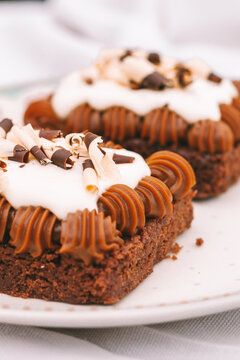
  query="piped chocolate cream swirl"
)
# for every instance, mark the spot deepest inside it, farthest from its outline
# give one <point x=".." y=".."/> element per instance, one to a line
<point x="5" y="208"/>
<point x="32" y="229"/>
<point x="125" y="206"/>
<point x="174" y="171"/>
<point x="211" y="137"/>
<point x="88" y="235"/>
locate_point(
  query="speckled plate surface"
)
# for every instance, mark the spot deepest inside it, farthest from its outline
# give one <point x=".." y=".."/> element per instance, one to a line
<point x="203" y="280"/>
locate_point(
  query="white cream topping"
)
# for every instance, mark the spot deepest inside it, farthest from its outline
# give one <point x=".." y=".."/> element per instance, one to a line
<point x="110" y="87"/>
<point x="63" y="191"/>
<point x="199" y="100"/>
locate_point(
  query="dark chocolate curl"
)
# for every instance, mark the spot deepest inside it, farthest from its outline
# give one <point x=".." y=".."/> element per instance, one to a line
<point x="89" y="137"/>
<point x="87" y="164"/>
<point x="39" y="155"/>
<point x="184" y="77"/>
<point x="215" y="78"/>
<point x="50" y="134"/>
<point x="61" y="158"/>
<point x="155" y="81"/>
<point x="154" y="58"/>
<point x="126" y="54"/>
<point x="122" y="159"/>
<point x="6" y="125"/>
<point x="20" y="154"/>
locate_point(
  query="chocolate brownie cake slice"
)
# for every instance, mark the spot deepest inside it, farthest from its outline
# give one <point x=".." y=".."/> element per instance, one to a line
<point x="148" y="102"/>
<point x="82" y="221"/>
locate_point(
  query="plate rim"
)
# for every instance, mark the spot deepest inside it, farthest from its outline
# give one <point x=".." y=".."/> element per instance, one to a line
<point x="115" y="316"/>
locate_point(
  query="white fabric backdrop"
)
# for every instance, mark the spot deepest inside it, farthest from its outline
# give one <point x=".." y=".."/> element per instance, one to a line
<point x="44" y="41"/>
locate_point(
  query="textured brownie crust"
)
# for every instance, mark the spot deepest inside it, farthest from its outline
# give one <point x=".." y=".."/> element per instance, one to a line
<point x="59" y="277"/>
<point x="215" y="173"/>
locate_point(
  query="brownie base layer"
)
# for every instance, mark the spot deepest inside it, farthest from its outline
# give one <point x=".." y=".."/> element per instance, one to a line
<point x="59" y="277"/>
<point x="215" y="173"/>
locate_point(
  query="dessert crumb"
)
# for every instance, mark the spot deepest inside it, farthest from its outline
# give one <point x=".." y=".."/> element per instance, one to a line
<point x="174" y="257"/>
<point x="176" y="248"/>
<point x="199" y="241"/>
<point x="89" y="81"/>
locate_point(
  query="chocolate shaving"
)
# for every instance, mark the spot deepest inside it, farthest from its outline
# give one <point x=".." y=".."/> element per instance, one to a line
<point x="50" y="134"/>
<point x="61" y="158"/>
<point x="20" y="154"/>
<point x="126" y="54"/>
<point x="134" y="85"/>
<point x="6" y="125"/>
<point x="155" y="81"/>
<point x="90" y="176"/>
<point x="123" y="159"/>
<point x="87" y="164"/>
<point x="154" y="58"/>
<point x="39" y="155"/>
<point x="184" y="77"/>
<point x="215" y="78"/>
<point x="89" y="137"/>
<point x="102" y="151"/>
<point x="3" y="165"/>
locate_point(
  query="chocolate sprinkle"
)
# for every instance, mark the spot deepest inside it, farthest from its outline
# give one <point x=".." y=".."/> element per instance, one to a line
<point x="61" y="158"/>
<point x="215" y="78"/>
<point x="39" y="155"/>
<point x="154" y="58"/>
<point x="122" y="159"/>
<point x="50" y="134"/>
<point x="6" y="125"/>
<point x="20" y="154"/>
<point x="155" y="81"/>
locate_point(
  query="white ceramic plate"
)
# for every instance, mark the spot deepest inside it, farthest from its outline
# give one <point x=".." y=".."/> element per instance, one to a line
<point x="202" y="281"/>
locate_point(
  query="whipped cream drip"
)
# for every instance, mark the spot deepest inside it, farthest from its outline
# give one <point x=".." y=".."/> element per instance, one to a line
<point x="109" y="86"/>
<point x="62" y="191"/>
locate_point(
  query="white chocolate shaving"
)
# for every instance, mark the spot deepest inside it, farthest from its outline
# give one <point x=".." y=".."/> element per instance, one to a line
<point x="6" y="148"/>
<point x="28" y="129"/>
<point x="198" y="67"/>
<point x="90" y="180"/>
<point x="103" y="163"/>
<point x="76" y="144"/>
<point x="108" y="54"/>
<point x="22" y="137"/>
<point x="2" y="133"/>
<point x="136" y="69"/>
<point x="3" y="180"/>
<point x="116" y="74"/>
<point x="48" y="146"/>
